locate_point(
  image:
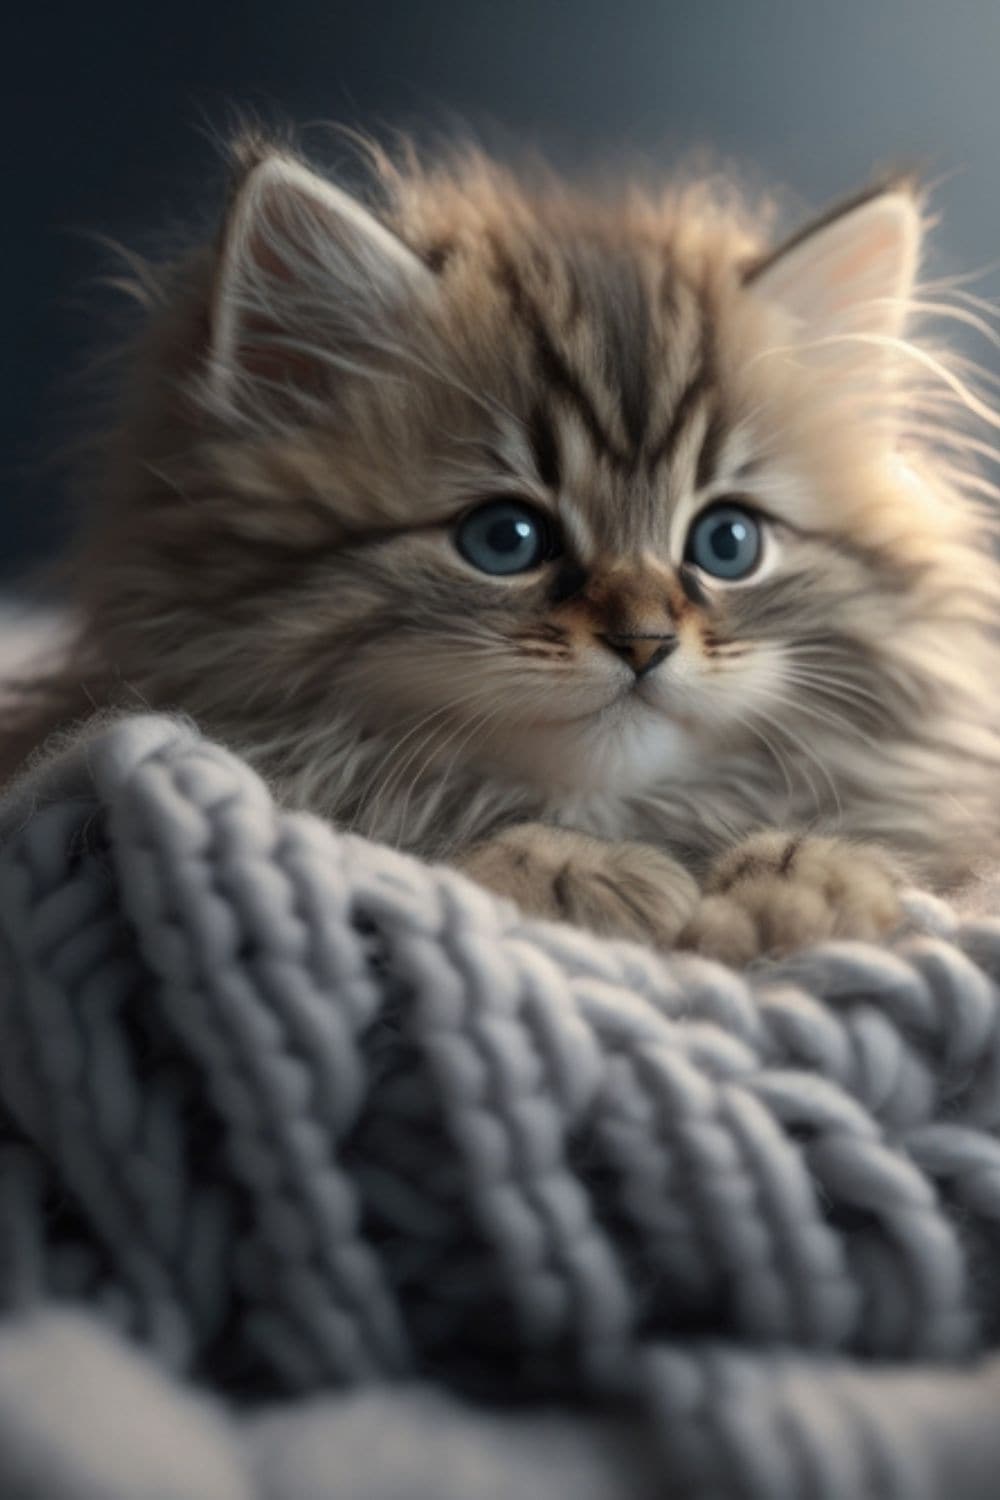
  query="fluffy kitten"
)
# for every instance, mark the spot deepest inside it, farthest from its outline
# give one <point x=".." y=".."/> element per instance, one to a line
<point x="586" y="542"/>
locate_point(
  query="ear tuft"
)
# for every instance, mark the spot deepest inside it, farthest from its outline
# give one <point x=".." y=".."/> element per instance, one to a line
<point x="302" y="267"/>
<point x="852" y="271"/>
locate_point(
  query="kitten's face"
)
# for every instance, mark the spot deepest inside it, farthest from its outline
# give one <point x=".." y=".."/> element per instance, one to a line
<point x="563" y="496"/>
<point x="567" y="605"/>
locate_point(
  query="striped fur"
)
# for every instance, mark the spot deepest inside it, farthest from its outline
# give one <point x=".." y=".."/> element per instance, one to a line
<point x="307" y="418"/>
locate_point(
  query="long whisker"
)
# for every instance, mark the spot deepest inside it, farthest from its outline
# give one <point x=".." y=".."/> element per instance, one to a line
<point x="398" y="764"/>
<point x="838" y="690"/>
<point x="475" y="726"/>
<point x="433" y="748"/>
<point x="371" y="809"/>
<point x="838" y="722"/>
<point x="802" y="657"/>
<point x="773" y="750"/>
<point x="811" y="756"/>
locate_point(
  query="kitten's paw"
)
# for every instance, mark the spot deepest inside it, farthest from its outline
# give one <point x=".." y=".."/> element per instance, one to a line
<point x="622" y="890"/>
<point x="776" y="893"/>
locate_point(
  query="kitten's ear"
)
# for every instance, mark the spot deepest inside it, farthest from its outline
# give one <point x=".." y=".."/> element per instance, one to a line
<point x="303" y="270"/>
<point x="850" y="272"/>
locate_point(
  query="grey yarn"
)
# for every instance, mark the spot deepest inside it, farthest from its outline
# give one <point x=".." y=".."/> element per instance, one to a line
<point x="294" y="1111"/>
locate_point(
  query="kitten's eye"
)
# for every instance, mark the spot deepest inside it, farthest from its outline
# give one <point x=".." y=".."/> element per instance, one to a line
<point x="506" y="536"/>
<point x="725" y="541"/>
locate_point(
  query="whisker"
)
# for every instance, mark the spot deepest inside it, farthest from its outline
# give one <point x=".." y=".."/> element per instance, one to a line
<point x="476" y="724"/>
<point x="775" y="754"/>
<point x="832" y="720"/>
<point x="833" y="686"/>
<point x="374" y="807"/>
<point x="811" y="756"/>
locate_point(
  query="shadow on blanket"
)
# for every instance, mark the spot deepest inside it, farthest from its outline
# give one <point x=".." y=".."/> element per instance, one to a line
<point x="357" y="1154"/>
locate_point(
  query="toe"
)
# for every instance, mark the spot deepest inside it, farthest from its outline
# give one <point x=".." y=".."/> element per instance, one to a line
<point x="722" y="929"/>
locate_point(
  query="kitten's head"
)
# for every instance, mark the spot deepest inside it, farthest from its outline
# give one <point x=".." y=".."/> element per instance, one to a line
<point x="577" y="497"/>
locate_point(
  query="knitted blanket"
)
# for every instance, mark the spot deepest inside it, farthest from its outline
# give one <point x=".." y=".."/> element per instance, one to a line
<point x="370" y="1186"/>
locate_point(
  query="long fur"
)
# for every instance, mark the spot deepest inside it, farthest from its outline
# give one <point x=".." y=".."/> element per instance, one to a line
<point x="272" y="551"/>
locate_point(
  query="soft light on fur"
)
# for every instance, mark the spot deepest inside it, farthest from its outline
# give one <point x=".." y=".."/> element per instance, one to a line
<point x="323" y="393"/>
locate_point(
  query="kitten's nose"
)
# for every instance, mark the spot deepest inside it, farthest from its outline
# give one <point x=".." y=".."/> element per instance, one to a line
<point x="642" y="652"/>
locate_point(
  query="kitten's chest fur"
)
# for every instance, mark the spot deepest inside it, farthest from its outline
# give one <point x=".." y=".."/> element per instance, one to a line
<point x="363" y="783"/>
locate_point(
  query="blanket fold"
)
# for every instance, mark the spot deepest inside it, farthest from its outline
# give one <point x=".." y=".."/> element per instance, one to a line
<point x="298" y="1114"/>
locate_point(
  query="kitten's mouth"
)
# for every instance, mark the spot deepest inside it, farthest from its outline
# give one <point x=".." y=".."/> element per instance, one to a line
<point x="639" y="693"/>
<point x="573" y="721"/>
<point x="622" y="701"/>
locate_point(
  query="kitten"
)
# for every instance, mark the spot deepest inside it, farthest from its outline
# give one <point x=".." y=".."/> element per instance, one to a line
<point x="587" y="543"/>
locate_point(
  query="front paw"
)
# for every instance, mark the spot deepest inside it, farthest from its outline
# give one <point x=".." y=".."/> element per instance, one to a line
<point x="622" y="890"/>
<point x="774" y="894"/>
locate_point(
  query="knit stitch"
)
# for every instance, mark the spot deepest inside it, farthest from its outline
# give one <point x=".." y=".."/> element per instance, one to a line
<point x="295" y="1111"/>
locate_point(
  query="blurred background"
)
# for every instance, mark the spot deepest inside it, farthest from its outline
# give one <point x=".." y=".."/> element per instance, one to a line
<point x="110" y="109"/>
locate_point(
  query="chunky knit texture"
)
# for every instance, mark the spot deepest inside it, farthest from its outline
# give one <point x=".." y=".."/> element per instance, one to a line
<point x="294" y="1111"/>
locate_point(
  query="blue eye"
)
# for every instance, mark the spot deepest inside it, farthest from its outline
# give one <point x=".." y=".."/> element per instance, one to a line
<point x="725" y="541"/>
<point x="506" y="536"/>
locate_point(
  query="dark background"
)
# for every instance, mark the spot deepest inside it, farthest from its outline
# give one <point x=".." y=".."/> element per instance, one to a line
<point x="109" y="108"/>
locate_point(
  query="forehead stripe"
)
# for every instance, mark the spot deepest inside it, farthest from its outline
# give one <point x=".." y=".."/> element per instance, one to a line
<point x="688" y="404"/>
<point x="554" y="368"/>
<point x="708" y="455"/>
<point x="544" y="447"/>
